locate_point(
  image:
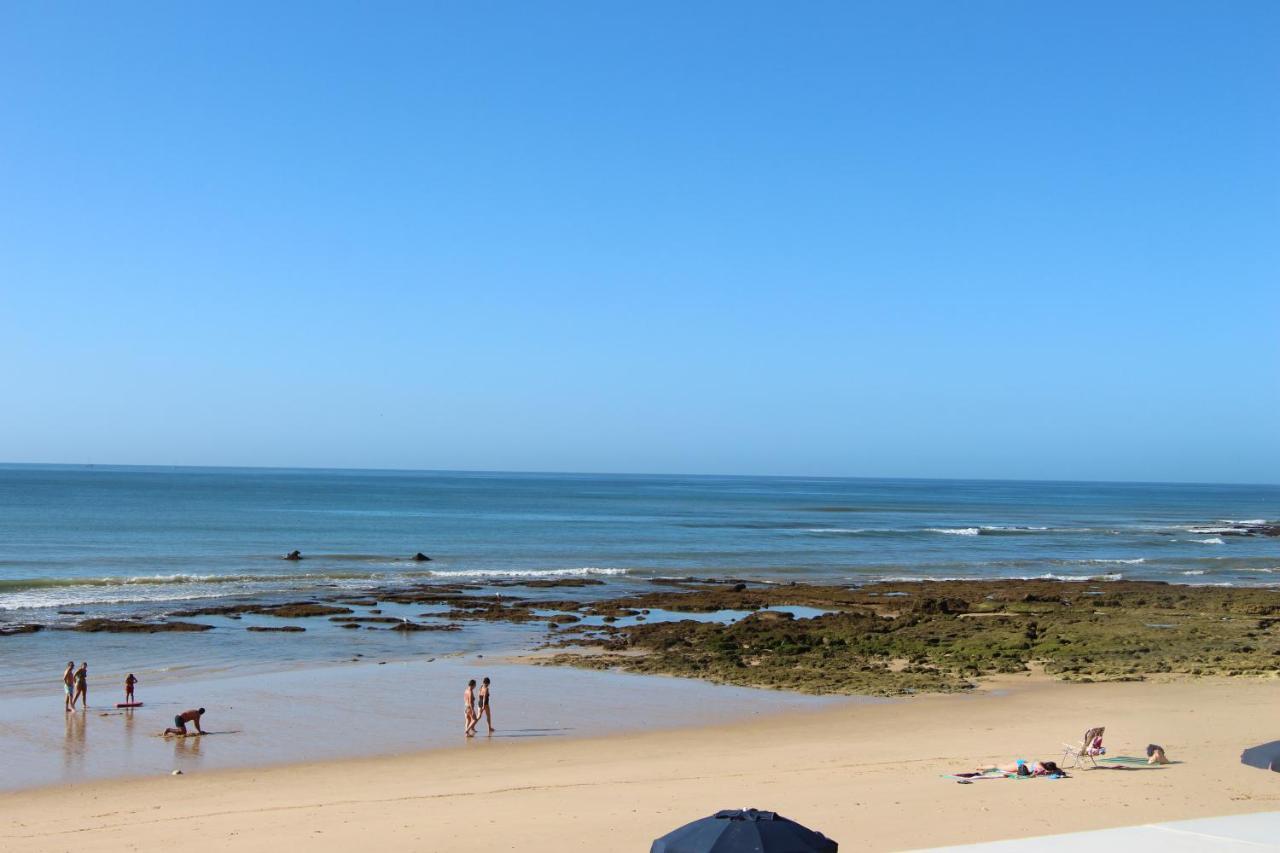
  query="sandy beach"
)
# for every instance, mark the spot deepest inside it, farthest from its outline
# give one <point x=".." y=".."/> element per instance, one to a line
<point x="865" y="774"/>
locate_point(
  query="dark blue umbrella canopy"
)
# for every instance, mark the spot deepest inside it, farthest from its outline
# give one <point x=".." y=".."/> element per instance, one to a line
<point x="1266" y="756"/>
<point x="743" y="831"/>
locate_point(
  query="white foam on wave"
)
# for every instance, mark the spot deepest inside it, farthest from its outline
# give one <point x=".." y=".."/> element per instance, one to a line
<point x="1251" y="522"/>
<point x="955" y="531"/>
<point x="1052" y="576"/>
<point x="528" y="573"/>
<point x="911" y="579"/>
<point x="1212" y="540"/>
<point x="1047" y="576"/>
<point x="1013" y="528"/>
<point x="1194" y="572"/>
<point x="1134" y="562"/>
<point x="64" y="597"/>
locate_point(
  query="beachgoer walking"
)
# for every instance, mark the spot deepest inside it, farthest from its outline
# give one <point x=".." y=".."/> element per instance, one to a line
<point x="469" y="708"/>
<point x="68" y="684"/>
<point x="484" y="705"/>
<point x="128" y="689"/>
<point x="181" y="720"/>
<point x="82" y="686"/>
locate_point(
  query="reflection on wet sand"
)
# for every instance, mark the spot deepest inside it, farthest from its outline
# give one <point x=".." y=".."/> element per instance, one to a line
<point x="186" y="748"/>
<point x="344" y="711"/>
<point x="74" y="745"/>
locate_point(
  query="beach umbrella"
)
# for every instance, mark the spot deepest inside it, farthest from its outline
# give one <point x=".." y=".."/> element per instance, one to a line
<point x="1265" y="757"/>
<point x="743" y="831"/>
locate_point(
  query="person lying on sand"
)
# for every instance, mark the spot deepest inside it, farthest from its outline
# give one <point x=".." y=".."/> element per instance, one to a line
<point x="1023" y="768"/>
<point x="180" y="722"/>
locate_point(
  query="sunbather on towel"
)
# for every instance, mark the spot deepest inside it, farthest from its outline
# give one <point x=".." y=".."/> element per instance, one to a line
<point x="1155" y="754"/>
<point x="1024" y="768"/>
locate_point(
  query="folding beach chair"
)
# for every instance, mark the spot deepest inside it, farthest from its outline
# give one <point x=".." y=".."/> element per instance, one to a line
<point x="1085" y="749"/>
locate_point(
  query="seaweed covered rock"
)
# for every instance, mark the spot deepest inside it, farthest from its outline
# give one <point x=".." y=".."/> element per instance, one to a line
<point x="302" y="609"/>
<point x="134" y="626"/>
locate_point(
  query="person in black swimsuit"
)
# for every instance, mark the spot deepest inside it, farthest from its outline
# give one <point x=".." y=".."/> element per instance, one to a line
<point x="484" y="705"/>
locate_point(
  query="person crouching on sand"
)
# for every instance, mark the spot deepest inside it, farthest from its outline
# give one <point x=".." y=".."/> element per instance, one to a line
<point x="180" y="722"/>
<point x="68" y="684"/>
<point x="469" y="708"/>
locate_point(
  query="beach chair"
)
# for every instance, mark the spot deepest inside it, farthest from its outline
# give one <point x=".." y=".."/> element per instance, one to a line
<point x="1078" y="753"/>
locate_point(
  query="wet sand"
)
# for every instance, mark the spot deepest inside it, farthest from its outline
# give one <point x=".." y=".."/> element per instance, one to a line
<point x="866" y="774"/>
<point x="341" y="711"/>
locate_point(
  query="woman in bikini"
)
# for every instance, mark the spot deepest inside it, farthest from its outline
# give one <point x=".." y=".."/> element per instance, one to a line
<point x="82" y="686"/>
<point x="469" y="708"/>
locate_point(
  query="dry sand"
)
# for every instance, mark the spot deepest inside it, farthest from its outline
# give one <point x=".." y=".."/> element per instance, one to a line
<point x="867" y="775"/>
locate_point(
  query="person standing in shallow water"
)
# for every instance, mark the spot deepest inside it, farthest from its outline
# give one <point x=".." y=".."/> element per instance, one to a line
<point x="82" y="686"/>
<point x="469" y="708"/>
<point x="68" y="685"/>
<point x="484" y="705"/>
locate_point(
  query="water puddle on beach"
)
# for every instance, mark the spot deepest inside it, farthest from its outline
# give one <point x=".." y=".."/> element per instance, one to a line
<point x="659" y="615"/>
<point x="349" y="710"/>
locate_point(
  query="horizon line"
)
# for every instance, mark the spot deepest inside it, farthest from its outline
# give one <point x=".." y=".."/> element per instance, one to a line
<point x="548" y="473"/>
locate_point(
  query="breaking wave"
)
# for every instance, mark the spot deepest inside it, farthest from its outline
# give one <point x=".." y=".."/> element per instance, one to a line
<point x="528" y="573"/>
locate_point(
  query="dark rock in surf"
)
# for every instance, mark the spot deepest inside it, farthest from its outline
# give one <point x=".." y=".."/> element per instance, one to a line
<point x="552" y="584"/>
<point x="421" y="558"/>
<point x="293" y="555"/>
<point x="7" y="630"/>
<point x="416" y="626"/>
<point x="302" y="608"/>
<point x="133" y="626"/>
<point x="292" y="629"/>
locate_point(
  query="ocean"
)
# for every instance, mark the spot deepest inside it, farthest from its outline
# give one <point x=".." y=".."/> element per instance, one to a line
<point x="83" y="542"/>
<point x="100" y="539"/>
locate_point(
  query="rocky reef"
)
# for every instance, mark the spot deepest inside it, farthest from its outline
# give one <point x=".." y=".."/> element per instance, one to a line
<point x="891" y="639"/>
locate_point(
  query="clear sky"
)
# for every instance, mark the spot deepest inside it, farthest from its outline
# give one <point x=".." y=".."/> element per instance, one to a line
<point x="990" y="239"/>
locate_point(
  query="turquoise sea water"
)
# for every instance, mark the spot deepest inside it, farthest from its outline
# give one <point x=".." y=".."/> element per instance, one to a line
<point x="73" y="537"/>
<point x="78" y="542"/>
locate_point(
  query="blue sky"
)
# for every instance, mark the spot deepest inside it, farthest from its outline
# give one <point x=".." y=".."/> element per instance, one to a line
<point x="901" y="238"/>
